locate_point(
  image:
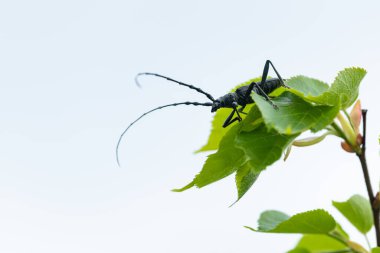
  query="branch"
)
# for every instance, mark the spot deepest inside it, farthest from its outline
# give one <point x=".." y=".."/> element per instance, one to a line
<point x="371" y="196"/>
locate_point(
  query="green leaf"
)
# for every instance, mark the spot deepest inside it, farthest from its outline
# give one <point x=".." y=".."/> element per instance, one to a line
<point x="343" y="92"/>
<point x="220" y="164"/>
<point x="339" y="231"/>
<point x="295" y="115"/>
<point x="217" y="129"/>
<point x="245" y="177"/>
<point x="320" y="243"/>
<point x="271" y="219"/>
<point x="306" y="86"/>
<point x="186" y="187"/>
<point x="263" y="147"/>
<point x="299" y="250"/>
<point x="247" y="148"/>
<point x="375" y="250"/>
<point x="312" y="222"/>
<point x="345" y="88"/>
<point x="358" y="211"/>
<point x="317" y="243"/>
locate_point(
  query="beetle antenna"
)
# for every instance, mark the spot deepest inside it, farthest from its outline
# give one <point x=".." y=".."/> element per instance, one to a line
<point x="157" y="108"/>
<point x="175" y="81"/>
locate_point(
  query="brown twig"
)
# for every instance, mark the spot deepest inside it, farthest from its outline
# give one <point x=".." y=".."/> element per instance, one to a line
<point x="363" y="161"/>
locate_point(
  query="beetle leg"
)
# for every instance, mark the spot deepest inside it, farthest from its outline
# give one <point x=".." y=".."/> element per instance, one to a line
<point x="241" y="109"/>
<point x="266" y="96"/>
<point x="264" y="79"/>
<point x="228" y="120"/>
<point x="265" y="73"/>
<point x="226" y="124"/>
<point x="235" y="105"/>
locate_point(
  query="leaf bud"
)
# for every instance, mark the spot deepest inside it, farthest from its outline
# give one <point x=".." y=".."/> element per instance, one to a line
<point x="346" y="147"/>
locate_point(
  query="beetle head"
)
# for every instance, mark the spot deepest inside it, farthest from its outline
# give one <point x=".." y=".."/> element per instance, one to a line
<point x="216" y="105"/>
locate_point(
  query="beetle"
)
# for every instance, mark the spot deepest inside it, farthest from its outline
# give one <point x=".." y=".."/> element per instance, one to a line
<point x="241" y="96"/>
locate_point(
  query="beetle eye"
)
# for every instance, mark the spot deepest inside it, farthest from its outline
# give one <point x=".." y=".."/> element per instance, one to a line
<point x="215" y="106"/>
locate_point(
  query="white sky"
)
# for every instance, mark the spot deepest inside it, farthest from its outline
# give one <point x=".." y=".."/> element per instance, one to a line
<point x="67" y="92"/>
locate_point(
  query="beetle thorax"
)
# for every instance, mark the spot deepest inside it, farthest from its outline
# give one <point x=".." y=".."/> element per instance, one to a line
<point x="225" y="101"/>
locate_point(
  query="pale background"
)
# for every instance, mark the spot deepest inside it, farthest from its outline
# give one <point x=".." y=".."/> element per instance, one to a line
<point x="67" y="92"/>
